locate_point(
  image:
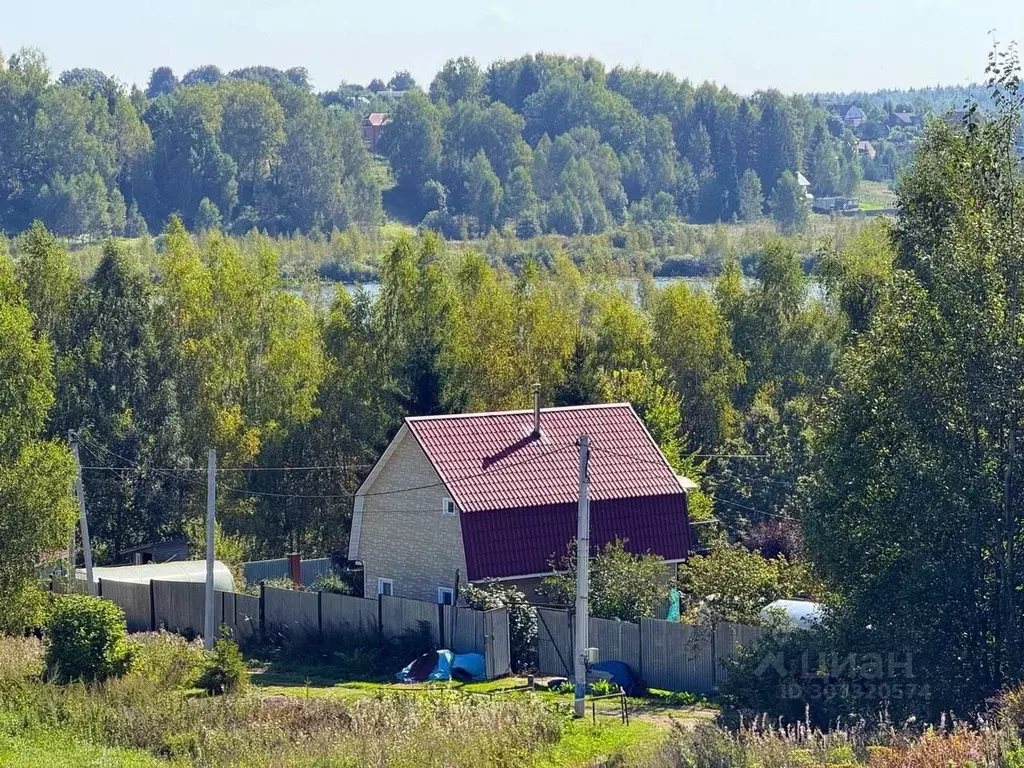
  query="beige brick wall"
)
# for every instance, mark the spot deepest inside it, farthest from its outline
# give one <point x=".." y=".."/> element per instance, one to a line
<point x="404" y="536"/>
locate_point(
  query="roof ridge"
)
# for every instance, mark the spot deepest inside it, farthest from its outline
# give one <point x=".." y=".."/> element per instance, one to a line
<point x="524" y="411"/>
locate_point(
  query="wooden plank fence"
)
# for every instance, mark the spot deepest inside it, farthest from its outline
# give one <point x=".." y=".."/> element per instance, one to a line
<point x="663" y="654"/>
<point x="134" y="599"/>
<point x="400" y="616"/>
<point x="344" y="613"/>
<point x="180" y="607"/>
<point x="285" y="610"/>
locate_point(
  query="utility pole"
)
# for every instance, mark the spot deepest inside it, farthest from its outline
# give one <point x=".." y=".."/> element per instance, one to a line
<point x="582" y="581"/>
<point x="80" y="492"/>
<point x="211" y="513"/>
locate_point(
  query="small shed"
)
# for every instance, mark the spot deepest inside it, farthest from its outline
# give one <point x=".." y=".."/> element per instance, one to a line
<point x="156" y="552"/>
<point x="192" y="571"/>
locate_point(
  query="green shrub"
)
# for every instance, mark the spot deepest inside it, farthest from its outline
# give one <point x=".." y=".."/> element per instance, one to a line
<point x="87" y="639"/>
<point x="281" y="582"/>
<point x="225" y="672"/>
<point x="522" y="618"/>
<point x="330" y="582"/>
<point x="168" y="659"/>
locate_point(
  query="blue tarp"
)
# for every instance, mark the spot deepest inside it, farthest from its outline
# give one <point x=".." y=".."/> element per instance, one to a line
<point x="463" y="666"/>
<point x="469" y="666"/>
<point x="621" y="674"/>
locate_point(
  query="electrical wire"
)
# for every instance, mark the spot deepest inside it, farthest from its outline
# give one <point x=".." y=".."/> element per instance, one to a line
<point x="729" y="502"/>
<point x="664" y="463"/>
<point x="750" y="478"/>
<point x="246" y="492"/>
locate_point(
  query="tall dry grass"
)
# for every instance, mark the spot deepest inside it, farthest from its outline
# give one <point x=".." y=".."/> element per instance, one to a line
<point x="765" y="744"/>
<point x="148" y="709"/>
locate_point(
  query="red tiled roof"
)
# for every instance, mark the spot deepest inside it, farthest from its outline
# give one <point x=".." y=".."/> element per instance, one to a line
<point x="377" y="119"/>
<point x="492" y="461"/>
<point x="518" y="495"/>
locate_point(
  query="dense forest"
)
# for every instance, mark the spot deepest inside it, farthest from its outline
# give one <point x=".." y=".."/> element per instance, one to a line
<point x="542" y="143"/>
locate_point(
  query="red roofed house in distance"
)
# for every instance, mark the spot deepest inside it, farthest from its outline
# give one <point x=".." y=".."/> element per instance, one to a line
<point x="494" y="496"/>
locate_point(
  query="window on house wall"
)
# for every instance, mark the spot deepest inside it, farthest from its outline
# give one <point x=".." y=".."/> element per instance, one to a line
<point x="447" y="507"/>
<point x="386" y="587"/>
<point x="445" y="596"/>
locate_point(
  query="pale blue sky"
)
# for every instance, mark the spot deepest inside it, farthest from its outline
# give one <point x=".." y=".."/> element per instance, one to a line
<point x="795" y="45"/>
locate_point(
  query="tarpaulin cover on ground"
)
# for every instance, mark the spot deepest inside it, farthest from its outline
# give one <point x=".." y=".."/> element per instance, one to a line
<point x="444" y="665"/>
<point x="622" y="676"/>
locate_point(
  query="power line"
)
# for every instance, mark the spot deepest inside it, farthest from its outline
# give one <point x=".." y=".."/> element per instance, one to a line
<point x="758" y="511"/>
<point x="486" y="473"/>
<point x="785" y="483"/>
<point x="665" y="463"/>
<point x="269" y="494"/>
<point x="237" y="469"/>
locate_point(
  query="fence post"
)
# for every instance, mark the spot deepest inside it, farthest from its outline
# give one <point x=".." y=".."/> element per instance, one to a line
<point x="441" y="627"/>
<point x="152" y="607"/>
<point x="99" y="587"/>
<point x="320" y="612"/>
<point x="263" y="613"/>
<point x="380" y="614"/>
<point x="714" y="658"/>
<point x="640" y="647"/>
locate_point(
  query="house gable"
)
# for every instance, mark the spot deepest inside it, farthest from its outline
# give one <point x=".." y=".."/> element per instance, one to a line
<point x="399" y="531"/>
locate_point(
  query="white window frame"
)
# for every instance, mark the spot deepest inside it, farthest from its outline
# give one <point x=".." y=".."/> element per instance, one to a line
<point x="381" y="583"/>
<point x="447" y="504"/>
<point x="445" y="592"/>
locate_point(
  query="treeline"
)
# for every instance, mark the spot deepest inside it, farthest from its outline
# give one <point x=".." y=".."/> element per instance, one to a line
<point x="219" y="352"/>
<point x="553" y="144"/>
<point x="254" y="148"/>
<point x="540" y="144"/>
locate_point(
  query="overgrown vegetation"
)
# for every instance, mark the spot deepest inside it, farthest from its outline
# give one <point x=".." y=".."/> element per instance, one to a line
<point x="522" y="617"/>
<point x="225" y="671"/>
<point x="87" y="639"/>
<point x="623" y="586"/>
<point x="142" y="715"/>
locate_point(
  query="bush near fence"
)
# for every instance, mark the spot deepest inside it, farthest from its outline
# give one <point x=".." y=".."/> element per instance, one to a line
<point x="180" y="607"/>
<point x="663" y="654"/>
<point x="265" y="570"/>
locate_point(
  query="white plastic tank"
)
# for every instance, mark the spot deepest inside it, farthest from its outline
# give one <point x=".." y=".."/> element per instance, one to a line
<point x="193" y="571"/>
<point x="801" y="614"/>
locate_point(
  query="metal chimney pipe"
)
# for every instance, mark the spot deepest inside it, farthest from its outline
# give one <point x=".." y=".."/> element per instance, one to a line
<point x="536" y="410"/>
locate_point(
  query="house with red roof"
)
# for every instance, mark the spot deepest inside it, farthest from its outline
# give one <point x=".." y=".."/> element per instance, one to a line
<point x="373" y="129"/>
<point x="482" y="496"/>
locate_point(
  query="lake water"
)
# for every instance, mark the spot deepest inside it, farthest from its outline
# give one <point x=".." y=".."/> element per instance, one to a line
<point x="815" y="289"/>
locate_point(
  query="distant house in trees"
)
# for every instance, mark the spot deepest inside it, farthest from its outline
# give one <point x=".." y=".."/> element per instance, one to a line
<point x="903" y="120"/>
<point x="851" y="114"/>
<point x="805" y="185"/>
<point x="373" y="128"/>
<point x="955" y="117"/>
<point x="482" y="496"/>
<point x="866" y="149"/>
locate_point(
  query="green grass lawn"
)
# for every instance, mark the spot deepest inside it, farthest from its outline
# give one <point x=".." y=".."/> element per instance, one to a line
<point x="46" y="750"/>
<point x="657" y="707"/>
<point x="874" y="195"/>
